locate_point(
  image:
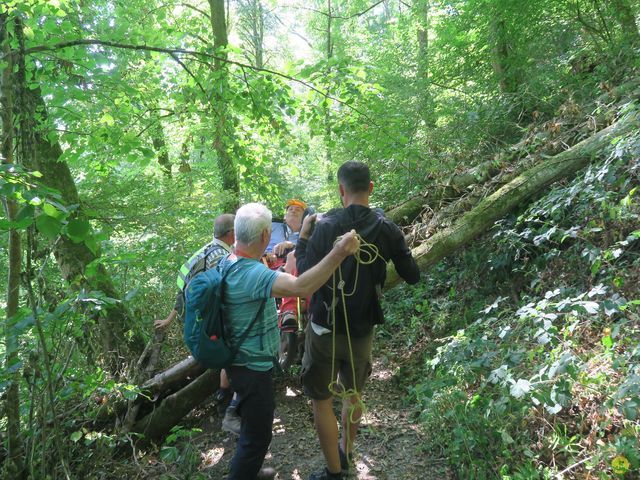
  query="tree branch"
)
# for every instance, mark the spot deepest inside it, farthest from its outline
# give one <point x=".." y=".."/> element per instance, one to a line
<point x="186" y="69"/>
<point x="177" y="51"/>
<point x="354" y="15"/>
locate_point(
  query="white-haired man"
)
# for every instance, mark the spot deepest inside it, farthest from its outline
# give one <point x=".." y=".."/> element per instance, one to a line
<point x="249" y="291"/>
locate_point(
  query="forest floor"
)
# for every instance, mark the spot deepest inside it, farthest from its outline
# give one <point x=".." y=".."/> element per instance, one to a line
<point x="387" y="446"/>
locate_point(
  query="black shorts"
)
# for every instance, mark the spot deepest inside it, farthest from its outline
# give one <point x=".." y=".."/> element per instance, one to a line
<point x="318" y="355"/>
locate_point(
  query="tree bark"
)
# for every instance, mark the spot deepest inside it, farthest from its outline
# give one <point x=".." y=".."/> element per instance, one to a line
<point x="15" y="462"/>
<point x="458" y="184"/>
<point x="501" y="59"/>
<point x="224" y="131"/>
<point x="176" y="375"/>
<point x="73" y="258"/>
<point x="160" y="146"/>
<point x="514" y="194"/>
<point x="159" y="422"/>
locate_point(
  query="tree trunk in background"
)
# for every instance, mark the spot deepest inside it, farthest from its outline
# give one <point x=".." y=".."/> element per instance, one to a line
<point x="426" y="110"/>
<point x="627" y="20"/>
<point x="14" y="466"/>
<point x="501" y="58"/>
<point x="327" y="109"/>
<point x="224" y="130"/>
<point x="251" y="27"/>
<point x="513" y="195"/>
<point x="115" y="324"/>
<point x="160" y="145"/>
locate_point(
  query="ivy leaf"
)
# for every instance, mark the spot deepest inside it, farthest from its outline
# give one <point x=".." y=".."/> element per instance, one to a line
<point x="520" y="388"/>
<point x="630" y="409"/>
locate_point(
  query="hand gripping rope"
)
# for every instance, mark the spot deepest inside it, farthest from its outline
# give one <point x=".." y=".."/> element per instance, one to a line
<point x="366" y="254"/>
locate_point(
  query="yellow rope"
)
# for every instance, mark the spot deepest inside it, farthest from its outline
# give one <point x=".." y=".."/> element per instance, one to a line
<point x="366" y="255"/>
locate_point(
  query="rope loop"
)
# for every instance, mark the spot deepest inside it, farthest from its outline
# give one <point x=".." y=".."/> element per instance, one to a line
<point x="366" y="254"/>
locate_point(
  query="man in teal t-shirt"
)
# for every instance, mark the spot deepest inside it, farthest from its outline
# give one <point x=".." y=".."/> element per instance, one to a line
<point x="249" y="293"/>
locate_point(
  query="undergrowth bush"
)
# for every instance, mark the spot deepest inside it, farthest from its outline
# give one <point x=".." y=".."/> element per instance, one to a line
<point x="542" y="380"/>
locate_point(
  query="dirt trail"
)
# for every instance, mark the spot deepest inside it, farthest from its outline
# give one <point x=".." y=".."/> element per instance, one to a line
<point x="387" y="446"/>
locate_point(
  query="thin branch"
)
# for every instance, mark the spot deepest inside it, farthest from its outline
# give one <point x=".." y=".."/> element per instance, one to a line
<point x="448" y="87"/>
<point x="186" y="69"/>
<point x="175" y="51"/>
<point x="331" y="16"/>
<point x="197" y="10"/>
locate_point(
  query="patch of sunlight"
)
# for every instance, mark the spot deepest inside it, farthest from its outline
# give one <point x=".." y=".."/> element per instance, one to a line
<point x="278" y="426"/>
<point x="291" y="393"/>
<point x="212" y="457"/>
<point x="384" y="374"/>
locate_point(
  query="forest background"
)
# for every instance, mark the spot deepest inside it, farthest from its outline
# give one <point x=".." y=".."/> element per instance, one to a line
<point x="128" y="126"/>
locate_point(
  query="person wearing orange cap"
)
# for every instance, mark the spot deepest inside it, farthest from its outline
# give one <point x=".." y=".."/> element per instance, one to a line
<point x="284" y="236"/>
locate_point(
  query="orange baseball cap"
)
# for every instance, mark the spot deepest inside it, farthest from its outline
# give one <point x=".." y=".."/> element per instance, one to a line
<point x="297" y="203"/>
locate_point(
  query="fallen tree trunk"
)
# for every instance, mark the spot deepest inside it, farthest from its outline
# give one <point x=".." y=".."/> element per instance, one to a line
<point x="514" y="194"/>
<point x="159" y="422"/>
<point x="408" y="211"/>
<point x="179" y="373"/>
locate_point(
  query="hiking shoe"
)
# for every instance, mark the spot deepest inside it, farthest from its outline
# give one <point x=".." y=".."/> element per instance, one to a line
<point x="222" y="395"/>
<point x="231" y="421"/>
<point x="325" y="474"/>
<point x="345" y="463"/>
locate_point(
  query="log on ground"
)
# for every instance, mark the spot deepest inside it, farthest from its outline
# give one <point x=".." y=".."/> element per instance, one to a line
<point x="514" y="194"/>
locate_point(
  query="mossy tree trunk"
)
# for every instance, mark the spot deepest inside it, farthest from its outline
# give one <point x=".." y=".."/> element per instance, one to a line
<point x="14" y="466"/>
<point x="223" y="138"/>
<point x="513" y="195"/>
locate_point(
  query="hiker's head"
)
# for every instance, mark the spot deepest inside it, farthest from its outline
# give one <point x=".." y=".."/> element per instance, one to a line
<point x="354" y="180"/>
<point x="253" y="223"/>
<point x="223" y="228"/>
<point x="294" y="213"/>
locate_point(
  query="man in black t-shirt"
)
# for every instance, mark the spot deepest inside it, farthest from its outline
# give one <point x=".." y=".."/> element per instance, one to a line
<point x="363" y="282"/>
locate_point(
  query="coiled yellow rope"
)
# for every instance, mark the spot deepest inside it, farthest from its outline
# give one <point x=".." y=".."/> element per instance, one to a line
<point x="366" y="254"/>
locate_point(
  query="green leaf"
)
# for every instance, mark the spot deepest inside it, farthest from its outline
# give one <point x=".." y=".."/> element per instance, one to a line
<point x="17" y="225"/>
<point x="169" y="454"/>
<point x="107" y="119"/>
<point x="50" y="227"/>
<point x="52" y="211"/>
<point x="630" y="409"/>
<point x="75" y="436"/>
<point x="78" y="229"/>
<point x="91" y="244"/>
<point x="25" y="212"/>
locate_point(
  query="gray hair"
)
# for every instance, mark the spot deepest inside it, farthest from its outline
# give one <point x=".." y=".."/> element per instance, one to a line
<point x="251" y="220"/>
<point x="223" y="224"/>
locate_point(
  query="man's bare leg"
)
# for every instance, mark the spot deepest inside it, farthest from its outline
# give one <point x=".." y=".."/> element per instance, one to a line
<point x="351" y="415"/>
<point x="327" y="428"/>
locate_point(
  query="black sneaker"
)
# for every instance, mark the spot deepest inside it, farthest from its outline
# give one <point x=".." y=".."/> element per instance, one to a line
<point x="345" y="464"/>
<point x="325" y="474"/>
<point x="221" y="395"/>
